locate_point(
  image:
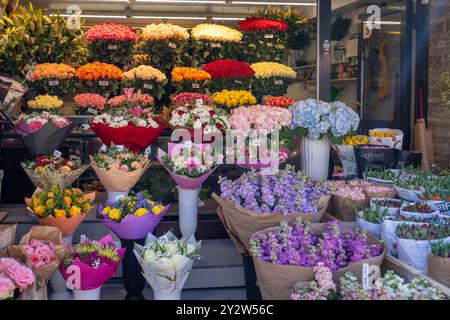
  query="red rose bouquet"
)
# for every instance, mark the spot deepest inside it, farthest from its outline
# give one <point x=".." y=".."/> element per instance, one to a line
<point x="229" y="74"/>
<point x="111" y="43"/>
<point x="262" y="24"/>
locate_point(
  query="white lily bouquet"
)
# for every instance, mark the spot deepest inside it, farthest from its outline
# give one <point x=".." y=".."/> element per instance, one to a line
<point x="166" y="263"/>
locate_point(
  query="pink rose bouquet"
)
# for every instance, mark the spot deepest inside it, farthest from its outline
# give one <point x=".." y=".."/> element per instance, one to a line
<point x="19" y="274"/>
<point x="185" y="98"/>
<point x="89" y="103"/>
<point x="40" y="254"/>
<point x="7" y="288"/>
<point x="265" y="119"/>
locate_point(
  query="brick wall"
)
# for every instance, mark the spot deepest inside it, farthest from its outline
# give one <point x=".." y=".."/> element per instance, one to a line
<point x="439" y="61"/>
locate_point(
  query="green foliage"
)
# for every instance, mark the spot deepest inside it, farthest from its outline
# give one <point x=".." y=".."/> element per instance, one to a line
<point x="273" y="86"/>
<point x="339" y="28"/>
<point x="115" y="52"/>
<point x="165" y="54"/>
<point x="159" y="184"/>
<point x="151" y="87"/>
<point x="265" y="46"/>
<point x="204" y="51"/>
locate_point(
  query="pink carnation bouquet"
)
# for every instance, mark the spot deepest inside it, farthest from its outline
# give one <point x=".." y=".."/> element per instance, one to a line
<point x="89" y="103"/>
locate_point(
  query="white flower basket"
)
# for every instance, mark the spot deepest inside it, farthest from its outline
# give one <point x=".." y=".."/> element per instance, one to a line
<point x="396" y="143"/>
<point x="373" y="228"/>
<point x="315" y="157"/>
<point x="415" y="252"/>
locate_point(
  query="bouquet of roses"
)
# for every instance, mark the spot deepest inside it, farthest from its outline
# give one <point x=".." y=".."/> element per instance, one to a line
<point x="265" y="38"/>
<point x="228" y="99"/>
<point x="166" y="263"/>
<point x="255" y="202"/>
<point x="128" y="124"/>
<point x="42" y="249"/>
<point x="190" y="79"/>
<point x="282" y="102"/>
<point x="131" y="100"/>
<point x="42" y="133"/>
<point x="132" y="217"/>
<point x="164" y="43"/>
<point x="190" y="98"/>
<point x="99" y="77"/>
<point x="96" y="260"/>
<point x="215" y="42"/>
<point x="89" y="103"/>
<point x="287" y="254"/>
<point x="60" y="207"/>
<point x="48" y="171"/>
<point x="14" y="276"/>
<point x="147" y="79"/>
<point x="52" y="78"/>
<point x="111" y="43"/>
<point x="119" y="169"/>
<point x="45" y="103"/>
<point x="271" y="79"/>
<point x="229" y="74"/>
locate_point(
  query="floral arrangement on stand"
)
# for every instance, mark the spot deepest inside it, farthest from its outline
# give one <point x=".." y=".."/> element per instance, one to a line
<point x="233" y="98"/>
<point x="164" y="43"/>
<point x="229" y="74"/>
<point x="14" y="276"/>
<point x="119" y="169"/>
<point x="132" y="217"/>
<point x="48" y="171"/>
<point x="281" y="102"/>
<point x="52" y="78"/>
<point x="213" y="42"/>
<point x="64" y="208"/>
<point x="45" y="103"/>
<point x="190" y="79"/>
<point x="111" y="43"/>
<point x="97" y="262"/>
<point x="128" y="124"/>
<point x="271" y="79"/>
<point x="190" y="98"/>
<point x="265" y="39"/>
<point x="147" y="79"/>
<point x="89" y="103"/>
<point x="303" y="245"/>
<point x="99" y="77"/>
<point x="166" y="263"/>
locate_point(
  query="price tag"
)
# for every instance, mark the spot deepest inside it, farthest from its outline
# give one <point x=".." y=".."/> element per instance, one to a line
<point x="120" y="147"/>
<point x="278" y="82"/>
<point x="148" y="150"/>
<point x="238" y="81"/>
<point x="82" y="238"/>
<point x="112" y="47"/>
<point x="195" y="86"/>
<point x="365" y="277"/>
<point x="215" y="45"/>
<point x="85" y="127"/>
<point x="103" y="83"/>
<point x="163" y="239"/>
<point x="45" y="113"/>
<point x="199" y="102"/>
<point x="256" y="143"/>
<point x="148" y="86"/>
<point x="57" y="154"/>
<point x="53" y="83"/>
<point x="92" y="111"/>
<point x="268" y="36"/>
<point x="172" y="45"/>
<point x="188" y="144"/>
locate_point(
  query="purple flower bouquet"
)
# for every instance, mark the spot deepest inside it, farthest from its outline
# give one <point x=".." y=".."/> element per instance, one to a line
<point x="287" y="254"/>
<point x="255" y="202"/>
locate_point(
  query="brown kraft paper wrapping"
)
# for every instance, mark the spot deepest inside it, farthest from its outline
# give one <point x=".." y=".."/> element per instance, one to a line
<point x="277" y="282"/>
<point x="424" y="143"/>
<point x="241" y="223"/>
<point x="391" y="193"/>
<point x="439" y="269"/>
<point x="345" y="208"/>
<point x="7" y="237"/>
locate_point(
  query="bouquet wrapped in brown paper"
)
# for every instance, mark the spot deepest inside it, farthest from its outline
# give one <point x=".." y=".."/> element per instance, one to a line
<point x="285" y="256"/>
<point x="379" y="191"/>
<point x="346" y="201"/>
<point x="42" y="249"/>
<point x="243" y="214"/>
<point x="439" y="262"/>
<point x="7" y="237"/>
<point x="119" y="169"/>
<point x="62" y="208"/>
<point x="48" y="171"/>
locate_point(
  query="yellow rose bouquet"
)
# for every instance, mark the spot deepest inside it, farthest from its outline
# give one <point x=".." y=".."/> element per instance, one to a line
<point x="164" y="43"/>
<point x="64" y="208"/>
<point x="233" y="98"/>
<point x="215" y="42"/>
<point x="52" y="78"/>
<point x="146" y="78"/>
<point x="271" y="79"/>
<point x="45" y="103"/>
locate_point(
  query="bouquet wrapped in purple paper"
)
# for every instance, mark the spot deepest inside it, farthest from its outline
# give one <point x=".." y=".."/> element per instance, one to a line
<point x="255" y="202"/>
<point x="132" y="217"/>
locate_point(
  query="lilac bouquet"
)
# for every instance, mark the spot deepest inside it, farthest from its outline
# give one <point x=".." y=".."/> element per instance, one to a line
<point x="285" y="192"/>
<point x="295" y="243"/>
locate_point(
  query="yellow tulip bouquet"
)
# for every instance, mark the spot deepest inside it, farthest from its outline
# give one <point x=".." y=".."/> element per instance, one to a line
<point x="233" y="98"/>
<point x="271" y="79"/>
<point x="64" y="208"/>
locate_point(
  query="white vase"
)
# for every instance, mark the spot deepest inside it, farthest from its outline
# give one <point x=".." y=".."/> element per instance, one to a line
<point x="58" y="283"/>
<point x="93" y="294"/>
<point x="116" y="195"/>
<point x="167" y="295"/>
<point x="315" y="156"/>
<point x="188" y="210"/>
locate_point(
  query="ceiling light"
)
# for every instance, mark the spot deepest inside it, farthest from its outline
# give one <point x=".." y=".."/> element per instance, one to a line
<point x="383" y="22"/>
<point x="94" y="16"/>
<point x="184" y="1"/>
<point x="172" y="18"/>
<point x="227" y="18"/>
<point x="275" y="3"/>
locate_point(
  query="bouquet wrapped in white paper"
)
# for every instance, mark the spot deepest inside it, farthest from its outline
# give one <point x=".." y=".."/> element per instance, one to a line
<point x="166" y="263"/>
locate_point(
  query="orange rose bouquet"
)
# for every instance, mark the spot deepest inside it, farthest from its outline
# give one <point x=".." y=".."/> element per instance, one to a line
<point x="98" y="77"/>
<point x="55" y="79"/>
<point x="190" y="79"/>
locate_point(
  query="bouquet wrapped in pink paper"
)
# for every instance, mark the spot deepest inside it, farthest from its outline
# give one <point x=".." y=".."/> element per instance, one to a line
<point x="96" y="262"/>
<point x="42" y="133"/>
<point x="132" y="217"/>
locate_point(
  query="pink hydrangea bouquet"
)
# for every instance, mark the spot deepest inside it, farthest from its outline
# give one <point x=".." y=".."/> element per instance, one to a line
<point x="89" y="103"/>
<point x="19" y="274"/>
